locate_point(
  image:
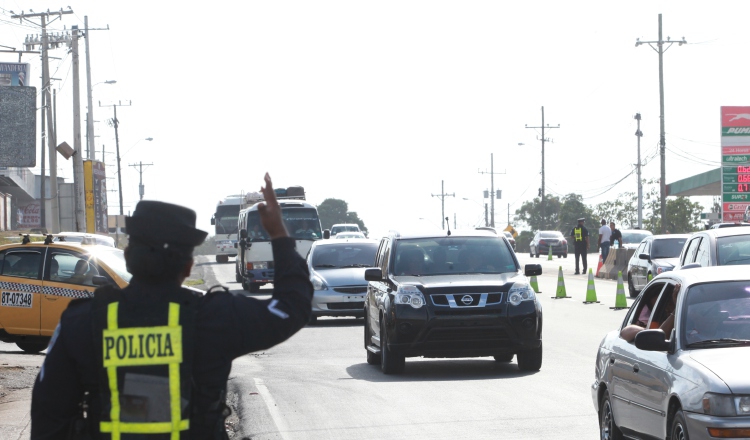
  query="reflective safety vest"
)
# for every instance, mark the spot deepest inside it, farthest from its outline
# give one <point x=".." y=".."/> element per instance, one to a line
<point x="145" y="355"/>
<point x="578" y="233"/>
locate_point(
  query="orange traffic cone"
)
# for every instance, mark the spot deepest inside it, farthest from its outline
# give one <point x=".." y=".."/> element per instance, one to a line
<point x="599" y="266"/>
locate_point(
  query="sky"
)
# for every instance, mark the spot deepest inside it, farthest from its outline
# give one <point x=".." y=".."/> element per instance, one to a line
<point x="381" y="103"/>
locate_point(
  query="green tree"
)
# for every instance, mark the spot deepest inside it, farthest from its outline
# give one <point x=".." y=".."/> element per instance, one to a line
<point x="571" y="210"/>
<point x="623" y="210"/>
<point x="531" y="213"/>
<point x="333" y="211"/>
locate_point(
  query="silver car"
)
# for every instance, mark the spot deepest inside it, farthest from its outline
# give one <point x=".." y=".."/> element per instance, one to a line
<point x="691" y="382"/>
<point x="337" y="272"/>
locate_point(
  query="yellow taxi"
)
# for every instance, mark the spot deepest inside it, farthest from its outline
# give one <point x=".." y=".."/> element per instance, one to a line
<point x="39" y="279"/>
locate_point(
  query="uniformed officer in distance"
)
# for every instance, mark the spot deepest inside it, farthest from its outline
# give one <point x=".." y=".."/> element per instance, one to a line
<point x="580" y="236"/>
<point x="153" y="359"/>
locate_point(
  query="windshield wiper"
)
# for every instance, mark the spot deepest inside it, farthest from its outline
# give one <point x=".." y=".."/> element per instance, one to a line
<point x="357" y="265"/>
<point x="325" y="265"/>
<point x="736" y="259"/>
<point x="720" y="341"/>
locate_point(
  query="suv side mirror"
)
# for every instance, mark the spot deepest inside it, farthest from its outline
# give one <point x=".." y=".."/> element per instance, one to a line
<point x="374" y="274"/>
<point x="652" y="340"/>
<point x="243" y="233"/>
<point x="326" y="234"/>
<point x="213" y="221"/>
<point x="531" y="270"/>
<point x="644" y="256"/>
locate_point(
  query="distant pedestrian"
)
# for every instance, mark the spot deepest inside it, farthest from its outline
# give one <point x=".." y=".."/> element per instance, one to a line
<point x="615" y="237"/>
<point x="580" y="236"/>
<point x="604" y="234"/>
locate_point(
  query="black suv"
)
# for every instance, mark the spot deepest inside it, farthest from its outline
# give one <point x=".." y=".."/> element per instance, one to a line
<point x="461" y="294"/>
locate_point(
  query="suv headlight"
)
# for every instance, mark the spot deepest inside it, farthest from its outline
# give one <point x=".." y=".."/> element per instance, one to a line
<point x="726" y="404"/>
<point x="410" y="295"/>
<point x="318" y="282"/>
<point x="519" y="293"/>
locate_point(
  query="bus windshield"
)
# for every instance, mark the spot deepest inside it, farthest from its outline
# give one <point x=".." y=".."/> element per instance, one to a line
<point x="226" y="219"/>
<point x="301" y="223"/>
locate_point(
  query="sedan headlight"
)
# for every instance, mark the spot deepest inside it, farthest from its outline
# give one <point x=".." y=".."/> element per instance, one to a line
<point x="410" y="295"/>
<point x="519" y="293"/>
<point x="318" y="282"/>
<point x="726" y="404"/>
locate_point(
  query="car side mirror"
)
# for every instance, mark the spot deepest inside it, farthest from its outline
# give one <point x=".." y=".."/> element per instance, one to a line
<point x="213" y="221"/>
<point x="374" y="274"/>
<point x="531" y="270"/>
<point x="99" y="280"/>
<point x="326" y="234"/>
<point x="243" y="233"/>
<point x="644" y="256"/>
<point x="652" y="340"/>
<point x="690" y="266"/>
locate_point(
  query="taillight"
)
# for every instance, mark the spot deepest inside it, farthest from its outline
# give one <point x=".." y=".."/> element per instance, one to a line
<point x="542" y="242"/>
<point x="249" y="266"/>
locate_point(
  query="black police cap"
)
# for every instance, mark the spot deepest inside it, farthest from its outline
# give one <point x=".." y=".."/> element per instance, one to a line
<point x="164" y="223"/>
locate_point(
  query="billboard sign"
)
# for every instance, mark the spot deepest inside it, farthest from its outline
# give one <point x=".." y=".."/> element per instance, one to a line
<point x="735" y="162"/>
<point x="14" y="74"/>
<point x="30" y="215"/>
<point x="17" y="126"/>
<point x="95" y="188"/>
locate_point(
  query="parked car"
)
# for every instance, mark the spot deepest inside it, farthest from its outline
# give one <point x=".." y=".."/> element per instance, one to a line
<point x="544" y="240"/>
<point x="691" y="382"/>
<point x="655" y="254"/>
<point x="450" y="294"/>
<point x="344" y="227"/>
<point x="717" y="247"/>
<point x="86" y="238"/>
<point x="350" y="235"/>
<point x="337" y="272"/>
<point x="511" y="239"/>
<point x="631" y="238"/>
<point x="39" y="279"/>
<point x="728" y="225"/>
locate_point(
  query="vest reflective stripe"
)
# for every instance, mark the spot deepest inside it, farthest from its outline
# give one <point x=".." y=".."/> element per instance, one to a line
<point x="579" y="234"/>
<point x="129" y="347"/>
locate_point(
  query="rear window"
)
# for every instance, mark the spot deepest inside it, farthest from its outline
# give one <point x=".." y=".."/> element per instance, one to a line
<point x="733" y="250"/>
<point x="554" y="234"/>
<point x="344" y="255"/>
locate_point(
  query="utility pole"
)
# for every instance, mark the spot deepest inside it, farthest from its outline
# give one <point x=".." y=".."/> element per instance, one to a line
<point x="90" y="144"/>
<point x="115" y="123"/>
<point x="46" y="85"/>
<point x="541" y="190"/>
<point x="491" y="192"/>
<point x="80" y="199"/>
<point x="442" y="197"/>
<point x="639" y="134"/>
<point x="140" y="165"/>
<point x="660" y="49"/>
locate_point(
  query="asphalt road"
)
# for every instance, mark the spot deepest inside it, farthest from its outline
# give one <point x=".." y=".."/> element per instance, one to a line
<point x="318" y="384"/>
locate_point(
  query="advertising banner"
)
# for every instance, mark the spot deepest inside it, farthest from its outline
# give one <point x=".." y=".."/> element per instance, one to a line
<point x="735" y="162"/>
<point x="30" y="215"/>
<point x="95" y="188"/>
<point x="14" y="74"/>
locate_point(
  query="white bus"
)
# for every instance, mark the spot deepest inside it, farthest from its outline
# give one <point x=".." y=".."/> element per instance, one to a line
<point x="255" y="261"/>
<point x="224" y="221"/>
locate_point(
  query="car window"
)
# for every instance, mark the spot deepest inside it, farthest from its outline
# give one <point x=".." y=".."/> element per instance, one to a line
<point x="453" y="255"/>
<point x="643" y="311"/>
<point x="554" y="234"/>
<point x="22" y="264"/>
<point x="667" y="247"/>
<point x="703" y="253"/>
<point x="689" y="256"/>
<point x="716" y="310"/>
<point x="344" y="255"/>
<point x="72" y="268"/>
<point x="641" y="249"/>
<point x="733" y="250"/>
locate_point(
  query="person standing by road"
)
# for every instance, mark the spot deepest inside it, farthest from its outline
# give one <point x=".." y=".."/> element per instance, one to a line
<point x="580" y="236"/>
<point x="152" y="360"/>
<point x="616" y="236"/>
<point x="604" y="234"/>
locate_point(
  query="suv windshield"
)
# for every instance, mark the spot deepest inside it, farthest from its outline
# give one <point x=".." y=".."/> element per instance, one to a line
<point x="452" y="255"/>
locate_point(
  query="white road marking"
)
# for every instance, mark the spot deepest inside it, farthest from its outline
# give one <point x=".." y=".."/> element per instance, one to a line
<point x="273" y="409"/>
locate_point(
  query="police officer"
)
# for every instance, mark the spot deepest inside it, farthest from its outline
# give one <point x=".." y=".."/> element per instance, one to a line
<point x="151" y="361"/>
<point x="580" y="236"/>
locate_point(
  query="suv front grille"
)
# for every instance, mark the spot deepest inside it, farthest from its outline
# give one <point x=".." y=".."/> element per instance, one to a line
<point x="465" y="300"/>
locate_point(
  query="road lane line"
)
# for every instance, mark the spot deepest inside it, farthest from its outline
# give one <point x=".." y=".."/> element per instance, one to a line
<point x="273" y="409"/>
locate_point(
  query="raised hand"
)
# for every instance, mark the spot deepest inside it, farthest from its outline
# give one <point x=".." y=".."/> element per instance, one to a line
<point x="270" y="212"/>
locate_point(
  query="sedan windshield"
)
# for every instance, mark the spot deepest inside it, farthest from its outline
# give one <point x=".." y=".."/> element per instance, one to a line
<point x="733" y="250"/>
<point x="453" y="255"/>
<point x="114" y="259"/>
<point x="717" y="314"/>
<point x="667" y="247"/>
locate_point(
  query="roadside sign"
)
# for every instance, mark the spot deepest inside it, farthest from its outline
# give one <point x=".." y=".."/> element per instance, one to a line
<point x="17" y="126"/>
<point x="735" y="162"/>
